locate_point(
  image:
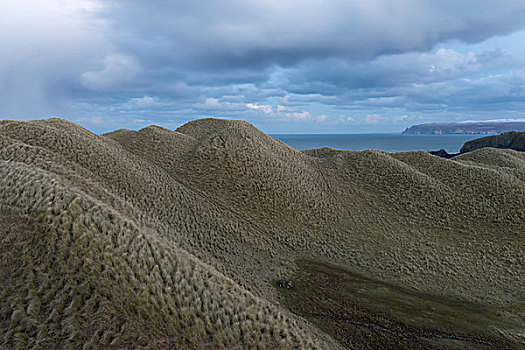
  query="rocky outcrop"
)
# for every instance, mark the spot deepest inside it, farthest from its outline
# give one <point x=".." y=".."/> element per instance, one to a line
<point x="443" y="154"/>
<point x="508" y="140"/>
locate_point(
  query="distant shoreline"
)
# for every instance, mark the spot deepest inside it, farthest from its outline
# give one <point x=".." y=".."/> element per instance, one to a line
<point x="466" y="128"/>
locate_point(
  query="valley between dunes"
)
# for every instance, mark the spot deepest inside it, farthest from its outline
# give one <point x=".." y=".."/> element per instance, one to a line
<point x="175" y="239"/>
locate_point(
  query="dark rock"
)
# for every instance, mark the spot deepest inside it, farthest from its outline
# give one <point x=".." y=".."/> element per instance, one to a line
<point x="443" y="154"/>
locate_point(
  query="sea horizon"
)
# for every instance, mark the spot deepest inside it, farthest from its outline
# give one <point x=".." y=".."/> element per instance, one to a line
<point x="389" y="142"/>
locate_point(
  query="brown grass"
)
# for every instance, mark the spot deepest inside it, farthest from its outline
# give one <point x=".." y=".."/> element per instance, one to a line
<point x="192" y="225"/>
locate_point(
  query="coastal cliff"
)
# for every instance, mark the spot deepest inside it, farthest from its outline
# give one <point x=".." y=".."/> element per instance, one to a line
<point x="509" y="140"/>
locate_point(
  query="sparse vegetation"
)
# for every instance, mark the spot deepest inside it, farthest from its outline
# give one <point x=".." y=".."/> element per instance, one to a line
<point x="161" y="238"/>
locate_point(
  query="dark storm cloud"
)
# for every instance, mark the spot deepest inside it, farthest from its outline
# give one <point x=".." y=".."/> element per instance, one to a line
<point x="396" y="70"/>
<point x="444" y="80"/>
<point x="214" y="34"/>
<point x="224" y="42"/>
<point x="301" y="47"/>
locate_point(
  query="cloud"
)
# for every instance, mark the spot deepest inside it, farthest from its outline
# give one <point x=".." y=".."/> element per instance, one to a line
<point x="217" y="107"/>
<point x="500" y="120"/>
<point x="330" y="75"/>
<point x="373" y="118"/>
<point x="405" y="118"/>
<point x="285" y="113"/>
<point x="142" y="101"/>
<point x="267" y="109"/>
<point x="213" y="103"/>
<point x="502" y="91"/>
<point x="250" y="34"/>
<point x="141" y="121"/>
<point x="93" y="120"/>
<point x="272" y="62"/>
<point x="44" y="47"/>
<point x="118" y="69"/>
<point x="305" y="116"/>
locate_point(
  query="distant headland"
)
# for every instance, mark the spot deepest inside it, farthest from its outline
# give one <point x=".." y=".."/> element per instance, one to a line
<point x="485" y="128"/>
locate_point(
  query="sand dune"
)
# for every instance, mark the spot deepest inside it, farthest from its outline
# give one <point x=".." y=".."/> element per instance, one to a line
<point x="164" y="238"/>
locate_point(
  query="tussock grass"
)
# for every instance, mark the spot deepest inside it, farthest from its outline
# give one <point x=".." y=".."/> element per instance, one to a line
<point x="77" y="274"/>
<point x="162" y="238"/>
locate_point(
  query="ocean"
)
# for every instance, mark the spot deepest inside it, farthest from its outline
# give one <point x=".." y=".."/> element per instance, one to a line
<point x="385" y="142"/>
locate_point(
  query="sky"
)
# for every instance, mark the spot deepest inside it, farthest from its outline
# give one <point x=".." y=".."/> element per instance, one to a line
<point x="286" y="66"/>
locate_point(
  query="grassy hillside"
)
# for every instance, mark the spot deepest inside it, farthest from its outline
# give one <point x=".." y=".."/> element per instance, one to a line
<point x="162" y="238"/>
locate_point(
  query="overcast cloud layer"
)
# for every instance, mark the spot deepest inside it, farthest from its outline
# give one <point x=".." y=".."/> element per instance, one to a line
<point x="284" y="65"/>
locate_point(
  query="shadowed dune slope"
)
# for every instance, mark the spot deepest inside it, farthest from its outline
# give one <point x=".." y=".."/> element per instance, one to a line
<point x="163" y="238"/>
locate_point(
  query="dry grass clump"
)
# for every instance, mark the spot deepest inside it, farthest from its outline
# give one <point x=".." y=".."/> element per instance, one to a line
<point x="157" y="208"/>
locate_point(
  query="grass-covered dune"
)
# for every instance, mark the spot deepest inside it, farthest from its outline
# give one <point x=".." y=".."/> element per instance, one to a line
<point x="165" y="239"/>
